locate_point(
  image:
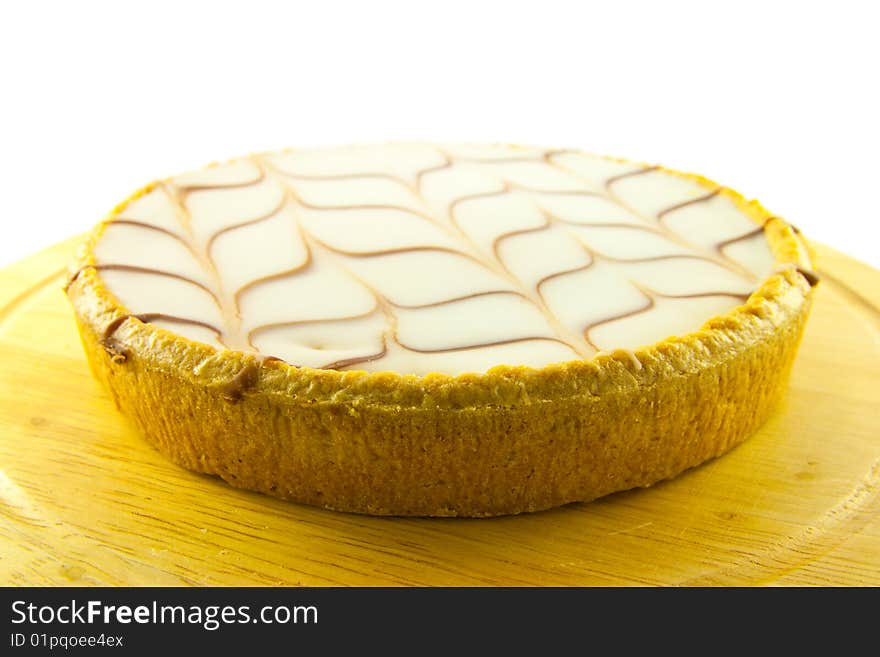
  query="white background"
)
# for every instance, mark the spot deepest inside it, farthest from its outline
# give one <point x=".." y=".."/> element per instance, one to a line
<point x="776" y="99"/>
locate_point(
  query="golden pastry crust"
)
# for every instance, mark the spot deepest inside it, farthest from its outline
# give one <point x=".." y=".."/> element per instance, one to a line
<point x="511" y="440"/>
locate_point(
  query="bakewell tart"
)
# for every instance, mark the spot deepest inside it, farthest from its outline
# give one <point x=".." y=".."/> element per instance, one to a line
<point x="441" y="330"/>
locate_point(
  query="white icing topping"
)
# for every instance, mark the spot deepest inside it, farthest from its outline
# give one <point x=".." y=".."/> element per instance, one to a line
<point x="419" y="258"/>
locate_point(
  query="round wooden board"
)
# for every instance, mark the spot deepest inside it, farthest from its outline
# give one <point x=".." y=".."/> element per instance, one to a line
<point x="85" y="501"/>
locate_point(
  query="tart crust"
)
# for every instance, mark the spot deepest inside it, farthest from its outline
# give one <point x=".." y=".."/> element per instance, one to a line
<point x="511" y="440"/>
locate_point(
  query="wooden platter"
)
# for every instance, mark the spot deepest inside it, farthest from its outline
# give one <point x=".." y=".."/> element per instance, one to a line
<point x="85" y="501"/>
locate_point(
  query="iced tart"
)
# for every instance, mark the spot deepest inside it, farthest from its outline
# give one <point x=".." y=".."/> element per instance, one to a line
<point x="442" y="330"/>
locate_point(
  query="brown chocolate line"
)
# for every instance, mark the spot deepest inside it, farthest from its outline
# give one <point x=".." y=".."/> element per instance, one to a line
<point x="122" y="221"/>
<point x="610" y="224"/>
<point x="745" y="236"/>
<point x="630" y="313"/>
<point x="546" y="156"/>
<point x="397" y="208"/>
<point x="153" y="317"/>
<point x="337" y="177"/>
<point x="355" y="176"/>
<point x="155" y="272"/>
<point x="288" y="273"/>
<point x="164" y="231"/>
<point x="684" y="204"/>
<point x="513" y="233"/>
<point x="812" y="277"/>
<point x="424" y="172"/>
<point x="394" y="251"/>
<point x="345" y="176"/>
<point x="147" y="318"/>
<point x="549" y="155"/>
<point x="74" y="276"/>
<point x="637" y="172"/>
<point x="473" y="197"/>
<point x="463" y="297"/>
<point x="298" y="322"/>
<point x="564" y="272"/>
<point x="366" y="206"/>
<point x="650" y="294"/>
<point x="481" y="345"/>
<point x="671" y="256"/>
<point x="742" y="296"/>
<point x="357" y="360"/>
<point x="186" y="190"/>
<point x="503" y="160"/>
<point x="555" y="192"/>
<point x="249" y="222"/>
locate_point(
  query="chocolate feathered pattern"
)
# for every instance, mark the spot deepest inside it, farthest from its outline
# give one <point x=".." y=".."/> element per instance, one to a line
<point x="510" y="440"/>
<point x="579" y="342"/>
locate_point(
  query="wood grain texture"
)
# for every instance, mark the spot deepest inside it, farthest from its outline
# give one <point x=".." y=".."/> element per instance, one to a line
<point x="85" y="501"/>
